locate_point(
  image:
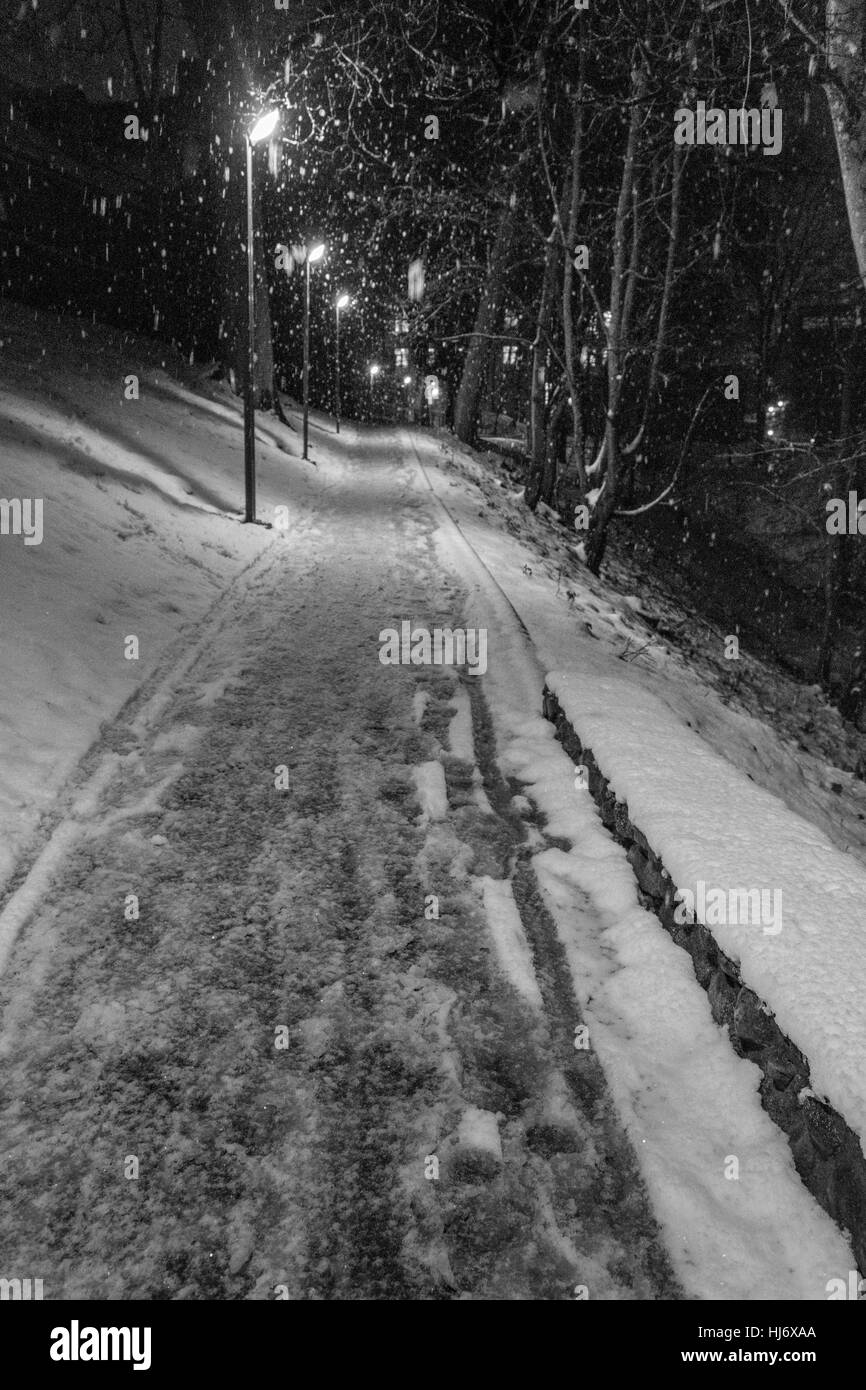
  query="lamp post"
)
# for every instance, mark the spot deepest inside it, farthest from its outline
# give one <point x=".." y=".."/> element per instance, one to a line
<point x="374" y="368"/>
<point x="262" y="130"/>
<point x="407" y="382"/>
<point x="342" y="302"/>
<point x="313" y="254"/>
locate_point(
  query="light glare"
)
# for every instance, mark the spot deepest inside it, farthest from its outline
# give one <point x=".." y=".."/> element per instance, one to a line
<point x="264" y="126"/>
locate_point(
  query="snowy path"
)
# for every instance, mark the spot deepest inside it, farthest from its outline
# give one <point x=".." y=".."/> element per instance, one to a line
<point x="689" y="1104"/>
<point x="158" y="1140"/>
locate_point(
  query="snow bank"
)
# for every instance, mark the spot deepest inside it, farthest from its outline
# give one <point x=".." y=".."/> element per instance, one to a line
<point x="141" y="537"/>
<point x="710" y="824"/>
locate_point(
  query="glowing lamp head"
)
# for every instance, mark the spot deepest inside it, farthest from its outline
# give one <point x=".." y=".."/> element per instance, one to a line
<point x="407" y="381"/>
<point x="316" y="253"/>
<point x="342" y="301"/>
<point x="264" y="127"/>
<point x="374" y="367"/>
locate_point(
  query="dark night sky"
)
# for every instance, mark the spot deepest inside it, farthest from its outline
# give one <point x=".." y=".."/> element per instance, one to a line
<point x="46" y="43"/>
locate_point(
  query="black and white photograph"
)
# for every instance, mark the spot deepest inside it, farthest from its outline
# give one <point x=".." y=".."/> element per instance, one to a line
<point x="433" y="668"/>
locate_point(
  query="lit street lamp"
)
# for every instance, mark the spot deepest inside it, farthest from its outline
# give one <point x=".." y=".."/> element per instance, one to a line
<point x="313" y="254"/>
<point x="374" y="369"/>
<point x="262" y="130"/>
<point x="342" y="303"/>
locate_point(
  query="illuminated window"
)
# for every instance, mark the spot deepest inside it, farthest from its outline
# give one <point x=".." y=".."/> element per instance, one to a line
<point x="509" y="354"/>
<point x="401" y="357"/>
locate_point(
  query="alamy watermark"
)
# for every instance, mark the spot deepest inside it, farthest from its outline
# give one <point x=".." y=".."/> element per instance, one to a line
<point x="75" y="1343"/>
<point x="737" y="126"/>
<point x="20" y="1290"/>
<point x="846" y="519"/>
<point x="717" y="907"/>
<point x="444" y="646"/>
<point x="22" y="516"/>
<point x="854" y="1289"/>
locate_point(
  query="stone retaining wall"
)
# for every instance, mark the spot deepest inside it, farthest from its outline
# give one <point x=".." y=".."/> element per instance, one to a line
<point x="827" y="1153"/>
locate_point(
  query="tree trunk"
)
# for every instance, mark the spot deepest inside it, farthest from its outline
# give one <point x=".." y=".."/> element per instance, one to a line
<point x="554" y="445"/>
<point x="575" y="200"/>
<point x="621" y="279"/>
<point x="845" y="59"/>
<point x="834" y="583"/>
<point x="677" y="166"/>
<point x="474" y="375"/>
<point x="837" y="572"/>
<point x="537" y="391"/>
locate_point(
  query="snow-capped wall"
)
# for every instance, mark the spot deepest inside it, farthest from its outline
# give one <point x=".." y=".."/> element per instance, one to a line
<point x="826" y="1150"/>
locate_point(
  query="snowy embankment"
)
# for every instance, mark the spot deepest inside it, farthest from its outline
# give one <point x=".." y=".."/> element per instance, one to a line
<point x="711" y="825"/>
<point x="747" y="1229"/>
<point x="141" y="501"/>
<point x="704" y="815"/>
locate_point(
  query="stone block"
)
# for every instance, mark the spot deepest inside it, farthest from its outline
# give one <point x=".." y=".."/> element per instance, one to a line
<point x="846" y="1192"/>
<point x="593" y="775"/>
<point x="827" y="1130"/>
<point x="608" y="807"/>
<point x="781" y="1106"/>
<point x="722" y="996"/>
<point x="622" y="825"/>
<point x="752" y="1024"/>
<point x="781" y="1068"/>
<point x="648" y="873"/>
<point x="700" y="945"/>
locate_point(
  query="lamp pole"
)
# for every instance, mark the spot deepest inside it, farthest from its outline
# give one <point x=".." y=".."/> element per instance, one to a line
<point x="315" y="254"/>
<point x="306" y="356"/>
<point x="249" y="403"/>
<point x="374" y="367"/>
<point x="342" y="301"/>
<point x="260" y="131"/>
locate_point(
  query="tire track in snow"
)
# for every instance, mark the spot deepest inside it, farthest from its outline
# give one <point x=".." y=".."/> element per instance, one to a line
<point x="590" y="1196"/>
<point x="302" y="1168"/>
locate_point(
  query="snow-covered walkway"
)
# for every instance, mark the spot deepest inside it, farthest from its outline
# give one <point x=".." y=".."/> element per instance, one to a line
<point x="246" y="1088"/>
<point x="322" y="979"/>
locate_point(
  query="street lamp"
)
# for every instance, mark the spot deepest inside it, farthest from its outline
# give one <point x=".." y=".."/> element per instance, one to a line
<point x="313" y="254"/>
<point x="342" y="302"/>
<point x="374" y="368"/>
<point x="263" y="128"/>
